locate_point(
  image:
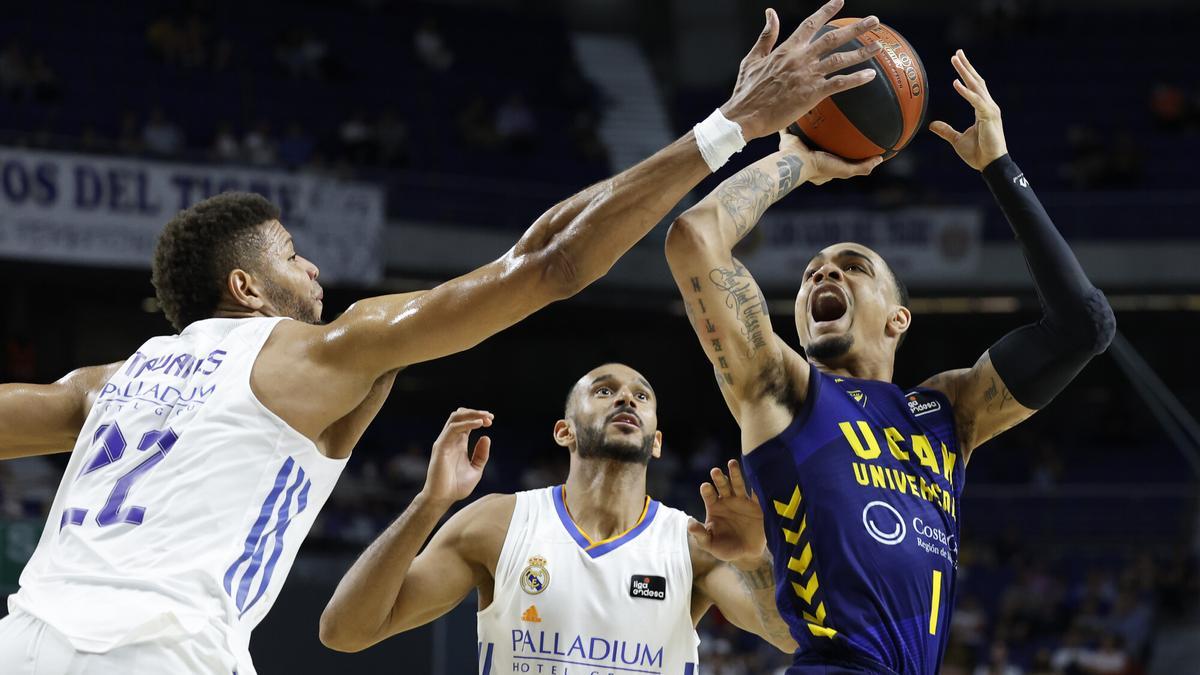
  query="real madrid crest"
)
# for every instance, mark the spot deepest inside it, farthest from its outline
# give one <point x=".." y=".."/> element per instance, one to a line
<point x="535" y="578"/>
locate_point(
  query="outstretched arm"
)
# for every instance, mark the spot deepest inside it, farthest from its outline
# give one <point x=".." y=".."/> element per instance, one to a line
<point x="387" y="591"/>
<point x="731" y="564"/>
<point x="578" y="240"/>
<point x="726" y="308"/>
<point x="1027" y="368"/>
<point x="41" y="419"/>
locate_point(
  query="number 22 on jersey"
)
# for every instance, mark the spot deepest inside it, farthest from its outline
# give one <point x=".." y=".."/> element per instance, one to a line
<point x="112" y="445"/>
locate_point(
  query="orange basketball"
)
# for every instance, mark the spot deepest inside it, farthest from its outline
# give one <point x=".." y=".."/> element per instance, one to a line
<point x="878" y="118"/>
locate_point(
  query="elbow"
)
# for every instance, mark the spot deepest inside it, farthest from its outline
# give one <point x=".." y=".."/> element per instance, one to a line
<point x="1104" y="322"/>
<point x="336" y="637"/>
<point x="1095" y="326"/>
<point x="558" y="272"/>
<point x="689" y="233"/>
<point x="787" y="645"/>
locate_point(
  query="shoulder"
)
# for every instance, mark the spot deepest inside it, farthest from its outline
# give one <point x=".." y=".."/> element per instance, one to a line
<point x="478" y="530"/>
<point x="86" y="383"/>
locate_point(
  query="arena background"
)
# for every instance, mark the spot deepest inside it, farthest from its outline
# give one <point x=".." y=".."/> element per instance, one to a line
<point x="409" y="142"/>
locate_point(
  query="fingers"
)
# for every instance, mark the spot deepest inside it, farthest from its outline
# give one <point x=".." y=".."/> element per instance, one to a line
<point x="837" y="37"/>
<point x="840" y="83"/>
<point x="708" y="494"/>
<point x="483" y="450"/>
<point x="838" y="60"/>
<point x="464" y="420"/>
<point x="809" y="27"/>
<point x="977" y="101"/>
<point x="945" y="132"/>
<point x="967" y="71"/>
<point x="766" y="39"/>
<point x="721" y="482"/>
<point x="737" y="479"/>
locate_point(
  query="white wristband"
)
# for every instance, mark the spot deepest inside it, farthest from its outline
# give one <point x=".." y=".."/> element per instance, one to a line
<point x="718" y="138"/>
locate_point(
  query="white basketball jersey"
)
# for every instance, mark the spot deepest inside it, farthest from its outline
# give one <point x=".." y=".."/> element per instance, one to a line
<point x="564" y="604"/>
<point x="183" y="504"/>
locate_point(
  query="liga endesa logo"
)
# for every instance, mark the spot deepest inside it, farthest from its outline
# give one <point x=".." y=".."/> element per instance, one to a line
<point x="883" y="523"/>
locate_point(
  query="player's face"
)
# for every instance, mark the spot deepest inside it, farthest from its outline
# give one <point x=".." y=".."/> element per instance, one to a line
<point x="290" y="280"/>
<point x="613" y="415"/>
<point x="845" y="302"/>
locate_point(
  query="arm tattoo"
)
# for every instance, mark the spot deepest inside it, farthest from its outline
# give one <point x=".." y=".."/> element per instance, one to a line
<point x="760" y="586"/>
<point x="789" y="174"/>
<point x="747" y="302"/>
<point x="745" y="197"/>
<point x="996" y="396"/>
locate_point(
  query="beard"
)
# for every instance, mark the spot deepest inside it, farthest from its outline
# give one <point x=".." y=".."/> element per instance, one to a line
<point x="290" y="305"/>
<point x="830" y="348"/>
<point x="593" y="444"/>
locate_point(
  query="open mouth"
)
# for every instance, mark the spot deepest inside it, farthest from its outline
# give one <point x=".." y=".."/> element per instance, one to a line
<point x="828" y="303"/>
<point x="627" y="419"/>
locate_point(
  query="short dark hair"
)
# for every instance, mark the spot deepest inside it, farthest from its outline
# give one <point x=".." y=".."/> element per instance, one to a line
<point x="198" y="249"/>
<point x="901" y="297"/>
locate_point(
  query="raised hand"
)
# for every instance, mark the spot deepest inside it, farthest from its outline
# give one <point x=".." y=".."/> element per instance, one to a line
<point x="821" y="167"/>
<point x="733" y="523"/>
<point x="983" y="141"/>
<point x="452" y="473"/>
<point x="778" y="85"/>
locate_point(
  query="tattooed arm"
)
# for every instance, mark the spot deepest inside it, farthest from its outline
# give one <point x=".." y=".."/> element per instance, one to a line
<point x="745" y="595"/>
<point x="731" y="566"/>
<point x="760" y="376"/>
<point x="983" y="406"/>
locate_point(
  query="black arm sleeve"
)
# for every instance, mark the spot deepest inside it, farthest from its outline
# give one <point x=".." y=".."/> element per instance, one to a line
<point x="1038" y="360"/>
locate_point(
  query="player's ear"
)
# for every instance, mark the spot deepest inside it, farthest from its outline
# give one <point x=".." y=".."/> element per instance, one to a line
<point x="656" y="449"/>
<point x="899" y="322"/>
<point x="244" y="290"/>
<point x="564" y="435"/>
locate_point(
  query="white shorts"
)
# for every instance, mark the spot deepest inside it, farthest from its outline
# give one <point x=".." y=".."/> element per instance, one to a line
<point x="29" y="646"/>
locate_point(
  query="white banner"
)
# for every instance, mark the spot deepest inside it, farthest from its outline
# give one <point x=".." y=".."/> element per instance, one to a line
<point x="920" y="244"/>
<point x="91" y="210"/>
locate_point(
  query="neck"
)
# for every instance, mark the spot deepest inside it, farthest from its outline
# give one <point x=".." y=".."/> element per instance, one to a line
<point x="227" y="309"/>
<point x="860" y="367"/>
<point x="605" y="497"/>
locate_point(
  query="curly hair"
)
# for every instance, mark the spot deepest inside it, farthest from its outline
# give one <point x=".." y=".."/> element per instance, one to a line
<point x="200" y="246"/>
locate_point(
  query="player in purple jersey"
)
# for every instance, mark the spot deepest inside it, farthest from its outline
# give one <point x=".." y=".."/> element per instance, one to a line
<point x="859" y="479"/>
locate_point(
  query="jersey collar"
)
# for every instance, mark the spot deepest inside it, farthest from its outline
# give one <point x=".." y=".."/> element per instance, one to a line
<point x="594" y="548"/>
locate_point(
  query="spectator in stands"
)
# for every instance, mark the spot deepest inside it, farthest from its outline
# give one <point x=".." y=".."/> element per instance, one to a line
<point x="1168" y="105"/>
<point x="998" y="662"/>
<point x="161" y="136"/>
<point x="1131" y="620"/>
<point x="357" y="138"/>
<point x="296" y="148"/>
<point x="41" y="81"/>
<point x="15" y="79"/>
<point x="1106" y="659"/>
<point x="129" y="136"/>
<point x="259" y="146"/>
<point x="516" y="124"/>
<point x="392" y="139"/>
<point x="303" y="55"/>
<point x="969" y="623"/>
<point x="431" y="48"/>
<point x="225" y="145"/>
<point x="476" y="124"/>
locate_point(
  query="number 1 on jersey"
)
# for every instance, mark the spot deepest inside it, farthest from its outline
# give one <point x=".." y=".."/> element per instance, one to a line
<point x="935" y="602"/>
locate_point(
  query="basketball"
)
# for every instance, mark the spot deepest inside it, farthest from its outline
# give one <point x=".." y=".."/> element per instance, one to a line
<point x="878" y="118"/>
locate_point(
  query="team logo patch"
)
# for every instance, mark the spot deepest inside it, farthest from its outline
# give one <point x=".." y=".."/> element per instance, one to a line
<point x="858" y="397"/>
<point x="920" y="404"/>
<point x="883" y="523"/>
<point x="647" y="586"/>
<point x="535" y="578"/>
<point x="531" y="615"/>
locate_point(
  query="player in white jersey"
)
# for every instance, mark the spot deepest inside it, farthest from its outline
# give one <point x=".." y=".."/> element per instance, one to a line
<point x="592" y="576"/>
<point x="199" y="462"/>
